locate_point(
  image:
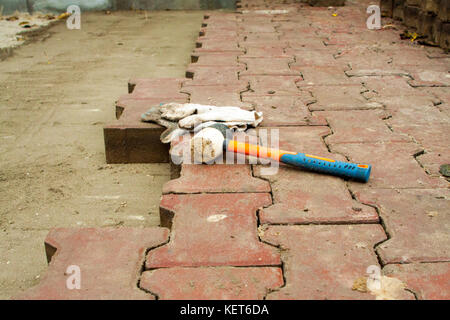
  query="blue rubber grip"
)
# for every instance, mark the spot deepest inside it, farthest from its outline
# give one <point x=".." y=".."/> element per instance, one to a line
<point x="338" y="168"/>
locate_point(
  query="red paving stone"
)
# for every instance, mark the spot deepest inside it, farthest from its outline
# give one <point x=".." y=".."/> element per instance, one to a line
<point x="203" y="179"/>
<point x="393" y="164"/>
<point x="219" y="95"/>
<point x="302" y="197"/>
<point x="129" y="140"/>
<point x="110" y="262"/>
<point x="213" y="230"/>
<point x="214" y="75"/>
<point x="382" y="101"/>
<point x="429" y="281"/>
<point x="339" y="98"/>
<point x="280" y="85"/>
<point x="267" y="66"/>
<point x="284" y="110"/>
<point x="360" y="126"/>
<point x="219" y="283"/>
<point x="417" y="222"/>
<point x="322" y="262"/>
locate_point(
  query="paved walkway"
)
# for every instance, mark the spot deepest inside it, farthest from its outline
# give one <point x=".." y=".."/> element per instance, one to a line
<point x="333" y="88"/>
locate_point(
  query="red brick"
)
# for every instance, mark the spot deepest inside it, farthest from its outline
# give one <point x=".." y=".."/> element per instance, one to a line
<point x="110" y="262"/>
<point x="129" y="140"/>
<point x="431" y="76"/>
<point x="284" y="110"/>
<point x="279" y="85"/>
<point x="384" y="87"/>
<point x="220" y="283"/>
<point x="417" y="222"/>
<point x="322" y="262"/>
<point x="429" y="281"/>
<point x="219" y="95"/>
<point x="198" y="239"/>
<point x="214" y="74"/>
<point x="307" y="57"/>
<point x="393" y="165"/>
<point x="348" y="127"/>
<point x="337" y="98"/>
<point x="218" y="44"/>
<point x="217" y="59"/>
<point x="164" y="89"/>
<point x="316" y="75"/>
<point x="204" y="179"/>
<point x="264" y="51"/>
<point x="267" y="66"/>
<point x="308" y="197"/>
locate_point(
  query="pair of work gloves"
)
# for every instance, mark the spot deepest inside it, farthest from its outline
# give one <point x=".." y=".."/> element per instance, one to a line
<point x="182" y="118"/>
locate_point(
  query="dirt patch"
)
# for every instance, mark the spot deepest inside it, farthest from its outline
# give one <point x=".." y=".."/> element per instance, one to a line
<point x="55" y="96"/>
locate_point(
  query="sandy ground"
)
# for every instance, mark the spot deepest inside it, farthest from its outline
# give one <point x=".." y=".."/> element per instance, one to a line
<point x="55" y="96"/>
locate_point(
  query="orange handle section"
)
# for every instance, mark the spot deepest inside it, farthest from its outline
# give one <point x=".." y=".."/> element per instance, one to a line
<point x="256" y="150"/>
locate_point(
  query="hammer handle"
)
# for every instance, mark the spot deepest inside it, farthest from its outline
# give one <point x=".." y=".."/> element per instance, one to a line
<point x="360" y="172"/>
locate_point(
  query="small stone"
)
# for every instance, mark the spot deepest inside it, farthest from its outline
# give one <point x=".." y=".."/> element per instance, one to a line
<point x="445" y="170"/>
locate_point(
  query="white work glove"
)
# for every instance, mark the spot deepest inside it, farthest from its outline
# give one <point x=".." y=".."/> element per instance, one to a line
<point x="189" y="115"/>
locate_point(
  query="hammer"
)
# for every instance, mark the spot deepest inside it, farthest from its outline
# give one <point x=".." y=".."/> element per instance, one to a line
<point x="209" y="143"/>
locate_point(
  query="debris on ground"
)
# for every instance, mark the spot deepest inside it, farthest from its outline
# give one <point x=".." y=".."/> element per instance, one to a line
<point x="12" y="26"/>
<point x="445" y="170"/>
<point x="360" y="285"/>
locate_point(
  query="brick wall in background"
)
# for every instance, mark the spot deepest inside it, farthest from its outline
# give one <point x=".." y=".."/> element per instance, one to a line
<point x="429" y="18"/>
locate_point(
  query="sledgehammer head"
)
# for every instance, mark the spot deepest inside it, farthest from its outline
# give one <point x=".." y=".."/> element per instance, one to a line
<point x="207" y="144"/>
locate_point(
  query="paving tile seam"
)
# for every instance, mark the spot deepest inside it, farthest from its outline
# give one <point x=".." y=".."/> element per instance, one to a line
<point x="142" y="269"/>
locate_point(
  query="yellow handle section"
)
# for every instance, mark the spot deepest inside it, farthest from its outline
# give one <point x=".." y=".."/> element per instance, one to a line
<point x="256" y="151"/>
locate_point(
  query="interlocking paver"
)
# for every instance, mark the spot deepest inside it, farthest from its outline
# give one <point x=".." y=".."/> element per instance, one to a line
<point x="322" y="262"/>
<point x="393" y="165"/>
<point x="360" y="126"/>
<point x="429" y="281"/>
<point x="219" y="95"/>
<point x="306" y="197"/>
<point x="110" y="261"/>
<point x="213" y="230"/>
<point x="347" y="97"/>
<point x="267" y="66"/>
<point x="203" y="179"/>
<point x="129" y="140"/>
<point x="284" y="110"/>
<point x="417" y="222"/>
<point x="219" y="283"/>
<point x="280" y="85"/>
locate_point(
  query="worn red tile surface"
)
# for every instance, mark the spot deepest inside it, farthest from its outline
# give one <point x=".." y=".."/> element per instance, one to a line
<point x="417" y="222"/>
<point x="214" y="74"/>
<point x="219" y="95"/>
<point x="204" y="179"/>
<point x="267" y="66"/>
<point x="336" y="98"/>
<point x="218" y="283"/>
<point x="284" y="110"/>
<point x="110" y="262"/>
<point x="393" y="165"/>
<point x="360" y="126"/>
<point x="322" y="262"/>
<point x="308" y="197"/>
<point x="128" y="139"/>
<point x="280" y="85"/>
<point x="213" y="230"/>
<point x="429" y="281"/>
